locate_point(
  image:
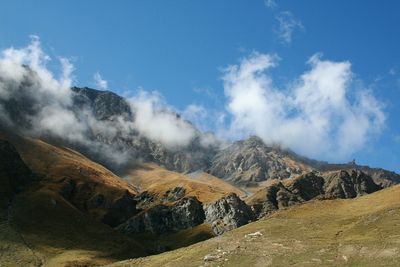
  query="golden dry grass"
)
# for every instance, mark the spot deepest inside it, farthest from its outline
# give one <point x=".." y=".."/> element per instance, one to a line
<point x="56" y="162"/>
<point x="207" y="188"/>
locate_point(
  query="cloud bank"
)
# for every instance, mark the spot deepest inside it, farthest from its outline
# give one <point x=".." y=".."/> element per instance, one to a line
<point x="323" y="113"/>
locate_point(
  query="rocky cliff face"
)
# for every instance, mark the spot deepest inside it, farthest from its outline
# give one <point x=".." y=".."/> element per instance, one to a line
<point x="313" y="185"/>
<point x="251" y="161"/>
<point x="228" y="213"/>
<point x="159" y="219"/>
<point x="103" y="104"/>
<point x="223" y="215"/>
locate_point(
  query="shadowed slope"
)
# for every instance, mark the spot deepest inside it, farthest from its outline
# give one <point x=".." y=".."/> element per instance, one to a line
<point x="43" y="223"/>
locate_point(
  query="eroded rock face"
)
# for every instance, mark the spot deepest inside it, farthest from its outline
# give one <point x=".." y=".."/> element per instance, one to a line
<point x="251" y="161"/>
<point x="349" y="184"/>
<point x="313" y="185"/>
<point x="227" y="213"/>
<point x="185" y="213"/>
<point x="14" y="174"/>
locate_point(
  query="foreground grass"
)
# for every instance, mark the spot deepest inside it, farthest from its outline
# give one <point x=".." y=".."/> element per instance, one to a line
<point x="356" y="232"/>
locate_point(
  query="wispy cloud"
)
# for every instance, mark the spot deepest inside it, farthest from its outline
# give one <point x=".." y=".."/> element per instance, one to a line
<point x="288" y="24"/>
<point x="209" y="93"/>
<point x="100" y="82"/>
<point x="271" y="4"/>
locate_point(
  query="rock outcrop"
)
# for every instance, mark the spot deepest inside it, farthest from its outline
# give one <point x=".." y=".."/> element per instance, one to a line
<point x="313" y="185"/>
<point x="227" y="213"/>
<point x="250" y="161"/>
<point x="185" y="213"/>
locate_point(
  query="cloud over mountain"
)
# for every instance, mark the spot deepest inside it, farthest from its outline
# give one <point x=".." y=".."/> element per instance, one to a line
<point x="322" y="113"/>
<point x="39" y="103"/>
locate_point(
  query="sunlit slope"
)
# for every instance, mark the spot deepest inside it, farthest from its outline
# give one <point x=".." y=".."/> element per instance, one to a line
<point x="356" y="232"/>
<point x="156" y="179"/>
<point x="57" y="162"/>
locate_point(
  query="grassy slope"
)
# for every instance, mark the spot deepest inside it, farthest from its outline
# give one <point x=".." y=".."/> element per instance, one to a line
<point x="40" y="226"/>
<point x="205" y="187"/>
<point x="56" y="162"/>
<point x="356" y="232"/>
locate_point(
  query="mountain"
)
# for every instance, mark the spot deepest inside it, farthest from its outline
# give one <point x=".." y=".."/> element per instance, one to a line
<point x="251" y="162"/>
<point x="109" y="107"/>
<point x="101" y="190"/>
<point x="245" y="162"/>
<point x="110" y="136"/>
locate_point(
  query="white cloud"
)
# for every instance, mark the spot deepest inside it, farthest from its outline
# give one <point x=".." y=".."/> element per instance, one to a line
<point x="288" y="24"/>
<point x="321" y="114"/>
<point x="100" y="82"/>
<point x="271" y="3"/>
<point x="155" y="120"/>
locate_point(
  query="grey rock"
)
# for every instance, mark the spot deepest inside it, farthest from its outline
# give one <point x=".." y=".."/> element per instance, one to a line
<point x="227" y="213"/>
<point x="251" y="161"/>
<point x="159" y="219"/>
<point x="174" y="194"/>
<point x="314" y="185"/>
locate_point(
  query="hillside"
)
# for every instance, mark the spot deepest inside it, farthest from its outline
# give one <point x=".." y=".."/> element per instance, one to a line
<point x="51" y="218"/>
<point x="354" y="232"/>
<point x="161" y="182"/>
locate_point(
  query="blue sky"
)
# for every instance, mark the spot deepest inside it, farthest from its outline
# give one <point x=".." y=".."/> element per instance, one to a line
<point x="180" y="48"/>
